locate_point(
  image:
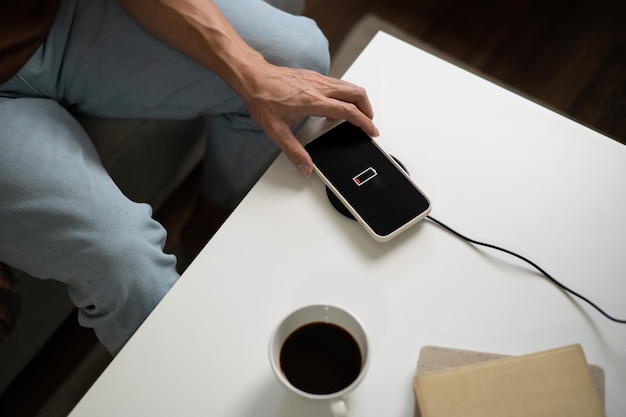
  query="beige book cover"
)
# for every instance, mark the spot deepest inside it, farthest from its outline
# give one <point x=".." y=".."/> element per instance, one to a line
<point x="553" y="383"/>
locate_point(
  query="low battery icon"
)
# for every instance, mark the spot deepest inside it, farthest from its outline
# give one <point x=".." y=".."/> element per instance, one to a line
<point x="365" y="176"/>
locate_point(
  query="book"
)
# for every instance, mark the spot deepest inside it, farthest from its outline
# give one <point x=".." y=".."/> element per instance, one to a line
<point x="557" y="382"/>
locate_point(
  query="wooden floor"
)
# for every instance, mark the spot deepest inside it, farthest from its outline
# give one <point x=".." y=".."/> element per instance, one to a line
<point x="567" y="55"/>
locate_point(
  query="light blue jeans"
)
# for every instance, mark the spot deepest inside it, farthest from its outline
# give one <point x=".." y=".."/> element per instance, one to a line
<point x="61" y="216"/>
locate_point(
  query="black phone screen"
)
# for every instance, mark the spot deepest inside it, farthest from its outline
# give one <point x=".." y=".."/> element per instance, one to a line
<point x="364" y="175"/>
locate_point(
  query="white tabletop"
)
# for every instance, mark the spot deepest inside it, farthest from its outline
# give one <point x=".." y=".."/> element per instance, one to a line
<point x="496" y="167"/>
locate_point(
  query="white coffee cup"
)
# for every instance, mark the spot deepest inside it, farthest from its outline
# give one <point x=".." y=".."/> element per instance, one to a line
<point x="321" y="353"/>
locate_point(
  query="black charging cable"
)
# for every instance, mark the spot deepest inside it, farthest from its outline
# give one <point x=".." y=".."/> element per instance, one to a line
<point x="528" y="261"/>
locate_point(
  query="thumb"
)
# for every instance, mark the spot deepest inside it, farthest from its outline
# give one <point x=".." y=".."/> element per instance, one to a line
<point x="294" y="151"/>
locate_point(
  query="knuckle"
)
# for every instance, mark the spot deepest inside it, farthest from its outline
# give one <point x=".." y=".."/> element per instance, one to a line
<point x="360" y="91"/>
<point x="292" y="153"/>
<point x="350" y="108"/>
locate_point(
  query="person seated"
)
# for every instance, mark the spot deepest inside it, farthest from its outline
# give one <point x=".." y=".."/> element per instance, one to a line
<point x="255" y="70"/>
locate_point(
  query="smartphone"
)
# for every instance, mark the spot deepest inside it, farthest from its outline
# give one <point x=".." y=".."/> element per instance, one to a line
<point x="372" y="186"/>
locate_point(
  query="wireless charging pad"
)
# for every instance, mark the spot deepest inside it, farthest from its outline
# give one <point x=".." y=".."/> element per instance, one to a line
<point x="338" y="205"/>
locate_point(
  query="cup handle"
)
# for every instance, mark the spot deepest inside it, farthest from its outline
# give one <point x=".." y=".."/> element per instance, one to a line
<point x="339" y="408"/>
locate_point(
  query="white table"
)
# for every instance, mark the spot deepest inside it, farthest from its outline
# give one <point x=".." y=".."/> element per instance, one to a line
<point x="496" y="167"/>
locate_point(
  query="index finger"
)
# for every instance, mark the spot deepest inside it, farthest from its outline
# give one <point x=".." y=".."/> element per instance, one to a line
<point x="282" y="135"/>
<point x="351" y="93"/>
<point x="343" y="110"/>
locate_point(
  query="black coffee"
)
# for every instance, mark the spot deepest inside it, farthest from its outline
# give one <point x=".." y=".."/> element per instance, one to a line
<point x="320" y="358"/>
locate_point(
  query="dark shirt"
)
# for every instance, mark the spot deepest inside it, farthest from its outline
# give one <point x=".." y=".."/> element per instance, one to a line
<point x="24" y="24"/>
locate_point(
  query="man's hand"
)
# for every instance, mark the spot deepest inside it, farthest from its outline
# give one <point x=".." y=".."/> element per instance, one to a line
<point x="279" y="97"/>
<point x="276" y="97"/>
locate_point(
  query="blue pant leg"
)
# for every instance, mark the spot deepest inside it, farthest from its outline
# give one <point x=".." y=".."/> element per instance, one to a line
<point x="111" y="67"/>
<point x="238" y="152"/>
<point x="63" y="218"/>
<point x="60" y="215"/>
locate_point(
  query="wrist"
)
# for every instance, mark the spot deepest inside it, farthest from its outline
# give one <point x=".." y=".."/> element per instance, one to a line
<point x="242" y="67"/>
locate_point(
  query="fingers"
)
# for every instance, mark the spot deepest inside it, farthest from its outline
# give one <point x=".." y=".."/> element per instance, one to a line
<point x="342" y="110"/>
<point x="342" y="100"/>
<point x="285" y="95"/>
<point x="351" y="93"/>
<point x="293" y="149"/>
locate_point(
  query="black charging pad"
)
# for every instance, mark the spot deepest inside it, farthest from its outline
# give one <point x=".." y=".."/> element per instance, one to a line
<point x="338" y="205"/>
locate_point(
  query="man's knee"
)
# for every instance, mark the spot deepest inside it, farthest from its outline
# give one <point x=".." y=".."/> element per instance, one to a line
<point x="309" y="48"/>
<point x="300" y="45"/>
<point x="126" y="277"/>
<point x="283" y="39"/>
<point x="126" y="251"/>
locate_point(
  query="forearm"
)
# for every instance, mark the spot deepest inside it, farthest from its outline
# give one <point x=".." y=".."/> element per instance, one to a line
<point x="200" y="30"/>
<point x="276" y="97"/>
